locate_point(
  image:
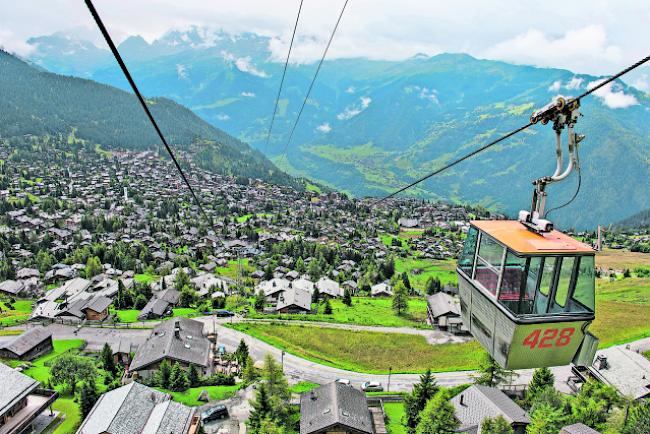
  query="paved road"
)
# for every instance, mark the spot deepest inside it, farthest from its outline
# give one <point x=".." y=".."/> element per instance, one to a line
<point x="296" y="368"/>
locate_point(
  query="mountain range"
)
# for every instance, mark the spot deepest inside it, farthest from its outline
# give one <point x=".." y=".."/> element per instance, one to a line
<point x="371" y="126"/>
<point x="41" y="103"/>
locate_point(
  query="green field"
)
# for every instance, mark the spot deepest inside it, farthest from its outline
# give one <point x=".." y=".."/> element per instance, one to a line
<point x="20" y="312"/>
<point x="622" y="311"/>
<point x="127" y="315"/>
<point x="190" y="396"/>
<point x="39" y="371"/>
<point x="145" y="278"/>
<point x="364" y="351"/>
<point x="443" y="270"/>
<point x="232" y="269"/>
<point x="364" y="311"/>
<point x="395" y="412"/>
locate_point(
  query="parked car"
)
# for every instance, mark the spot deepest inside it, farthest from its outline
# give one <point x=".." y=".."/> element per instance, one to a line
<point x="221" y="313"/>
<point x="372" y="386"/>
<point x="343" y="381"/>
<point x="217" y="412"/>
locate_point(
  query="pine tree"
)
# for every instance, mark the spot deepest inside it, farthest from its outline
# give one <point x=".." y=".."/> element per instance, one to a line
<point x="249" y="374"/>
<point x="497" y="425"/>
<point x="327" y="310"/>
<point x="638" y="420"/>
<point x="261" y="409"/>
<point x="193" y="376"/>
<point x="437" y="417"/>
<point x="542" y="378"/>
<point x="491" y="374"/>
<point x="163" y="374"/>
<point x="400" y="299"/>
<point x="108" y="363"/>
<point x="433" y="285"/>
<point x="415" y="402"/>
<point x="178" y="380"/>
<point x="347" y="297"/>
<point x="241" y="353"/>
<point x="315" y="296"/>
<point x="406" y="281"/>
<point x="88" y="396"/>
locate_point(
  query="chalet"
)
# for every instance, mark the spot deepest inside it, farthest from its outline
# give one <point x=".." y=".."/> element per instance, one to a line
<point x="443" y="311"/>
<point x="273" y="288"/>
<point x="136" y="408"/>
<point x="121" y="352"/>
<point x="381" y="290"/>
<point x="294" y="300"/>
<point x="21" y="401"/>
<point x="32" y="344"/>
<point x="329" y="288"/>
<point x="625" y="370"/>
<point x="578" y="428"/>
<point x="335" y="408"/>
<point x="176" y="340"/>
<point x="351" y="286"/>
<point x="160" y="304"/>
<point x="477" y="403"/>
<point x="304" y="284"/>
<point x="11" y="288"/>
<point x="27" y="273"/>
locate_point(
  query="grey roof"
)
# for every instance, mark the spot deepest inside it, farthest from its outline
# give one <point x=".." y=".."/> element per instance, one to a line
<point x="23" y="343"/>
<point x="578" y="428"/>
<point x="98" y="304"/>
<point x="442" y="304"/>
<point x="627" y="371"/>
<point x="295" y="297"/>
<point x="334" y="403"/>
<point x="15" y="386"/>
<point x="11" y="287"/>
<point x="381" y="288"/>
<point x="135" y="409"/>
<point x="163" y="343"/>
<point x="155" y="306"/>
<point x="481" y="402"/>
<point x="170" y="295"/>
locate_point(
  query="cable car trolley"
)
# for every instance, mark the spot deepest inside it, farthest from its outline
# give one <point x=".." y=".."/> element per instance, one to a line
<point x="527" y="291"/>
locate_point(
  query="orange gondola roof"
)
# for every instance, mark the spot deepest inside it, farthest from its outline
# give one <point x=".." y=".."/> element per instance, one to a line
<point x="522" y="240"/>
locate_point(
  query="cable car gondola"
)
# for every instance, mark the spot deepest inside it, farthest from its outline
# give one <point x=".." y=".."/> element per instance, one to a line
<point x="527" y="291"/>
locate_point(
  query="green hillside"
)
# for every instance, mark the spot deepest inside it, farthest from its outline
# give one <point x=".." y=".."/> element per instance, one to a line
<point x="40" y="103"/>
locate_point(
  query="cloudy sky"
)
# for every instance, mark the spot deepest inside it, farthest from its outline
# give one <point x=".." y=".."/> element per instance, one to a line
<point x="595" y="36"/>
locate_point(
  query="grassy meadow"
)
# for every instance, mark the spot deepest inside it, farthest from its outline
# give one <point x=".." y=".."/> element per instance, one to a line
<point x="19" y="313"/>
<point x="365" y="351"/>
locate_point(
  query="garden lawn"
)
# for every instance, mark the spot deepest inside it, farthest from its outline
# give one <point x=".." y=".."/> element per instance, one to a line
<point x="622" y="311"/>
<point x="303" y="386"/>
<point x="19" y="313"/>
<point x="39" y="371"/>
<point x="364" y="351"/>
<point x="395" y="412"/>
<point x="127" y="315"/>
<point x="443" y="270"/>
<point x="232" y="269"/>
<point x="190" y="396"/>
<point x="71" y="413"/>
<point x="364" y="311"/>
<point x="185" y="311"/>
<point x="145" y="278"/>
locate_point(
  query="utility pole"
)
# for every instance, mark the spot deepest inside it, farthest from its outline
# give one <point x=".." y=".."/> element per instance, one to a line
<point x="390" y="369"/>
<point x="282" y="360"/>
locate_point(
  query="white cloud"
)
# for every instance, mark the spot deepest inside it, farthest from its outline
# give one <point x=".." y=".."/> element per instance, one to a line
<point x="577" y="49"/>
<point x="575" y="83"/>
<point x="244" y="64"/>
<point x="354" y="109"/>
<point x="181" y="71"/>
<point x="423" y="92"/>
<point x="350" y="89"/>
<point x="14" y="43"/>
<point x="555" y="86"/>
<point x="642" y="83"/>
<point x="324" y="128"/>
<point x="611" y="97"/>
<point x="248" y="94"/>
<point x="223" y="117"/>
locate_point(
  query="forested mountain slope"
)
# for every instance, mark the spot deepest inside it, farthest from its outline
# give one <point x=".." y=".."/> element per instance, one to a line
<point x="41" y="103"/>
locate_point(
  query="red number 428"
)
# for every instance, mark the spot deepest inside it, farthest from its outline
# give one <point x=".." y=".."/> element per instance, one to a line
<point x="550" y="338"/>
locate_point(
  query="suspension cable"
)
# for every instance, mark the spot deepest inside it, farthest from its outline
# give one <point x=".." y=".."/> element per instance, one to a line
<point x="311" y="85"/>
<point x="119" y="60"/>
<point x="512" y="133"/>
<point x="284" y="72"/>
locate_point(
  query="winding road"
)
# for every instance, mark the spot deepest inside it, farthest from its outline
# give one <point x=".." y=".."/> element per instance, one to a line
<point x="297" y="368"/>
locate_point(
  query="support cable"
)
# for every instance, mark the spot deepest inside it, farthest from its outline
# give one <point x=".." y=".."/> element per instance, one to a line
<point x="119" y="60"/>
<point x="284" y="73"/>
<point x="512" y="133"/>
